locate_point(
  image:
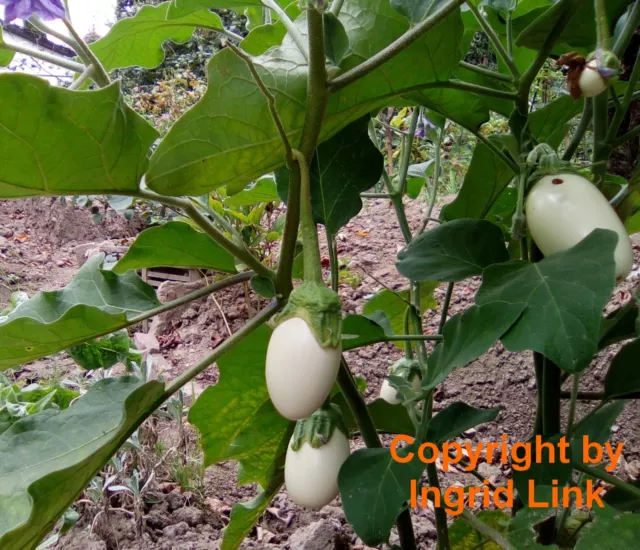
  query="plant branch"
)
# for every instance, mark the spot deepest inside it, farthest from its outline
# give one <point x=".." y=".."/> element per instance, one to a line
<point x="289" y="25"/>
<point x="82" y="79"/>
<point x="572" y="405"/>
<point x="486" y="530"/>
<point x="223" y="348"/>
<point x="406" y="153"/>
<point x="609" y="478"/>
<point x="100" y="76"/>
<point x="583" y="126"/>
<point x="445" y="307"/>
<point x="316" y="104"/>
<point x="478" y="89"/>
<point x="271" y="100"/>
<point x="627" y="137"/>
<point x="238" y="251"/>
<point x="486" y="72"/>
<point x="602" y="25"/>
<point x="601" y="149"/>
<point x="622" y="108"/>
<point x="358" y="408"/>
<point x="336" y="6"/>
<point x="394" y="48"/>
<point x="46" y="57"/>
<point x="436" y="180"/>
<point x="494" y="39"/>
<point x="628" y="30"/>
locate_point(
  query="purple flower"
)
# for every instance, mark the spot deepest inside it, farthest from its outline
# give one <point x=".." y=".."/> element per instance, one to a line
<point x="23" y="9"/>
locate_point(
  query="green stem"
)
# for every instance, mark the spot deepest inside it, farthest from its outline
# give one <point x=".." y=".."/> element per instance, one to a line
<point x="100" y="76"/>
<point x="445" y="307"/>
<point x="436" y="180"/>
<point x="414" y="337"/>
<point x="289" y="25"/>
<point x="311" y="248"/>
<point x="551" y="398"/>
<point x="486" y="72"/>
<point x="572" y="405"/>
<point x="601" y="149"/>
<point x="47" y="57"/>
<point x="316" y="104"/>
<point x="510" y="35"/>
<point x="486" y="530"/>
<point x="394" y="48"/>
<point x="583" y="126"/>
<point x="336" y="6"/>
<point x="406" y="153"/>
<point x="223" y="348"/>
<point x="623" y="107"/>
<point x="333" y="258"/>
<point x="602" y="25"/>
<point x="358" y="408"/>
<point x="408" y="347"/>
<point x="494" y="39"/>
<point x="627" y="137"/>
<point x="478" y="89"/>
<point x="538" y="361"/>
<point x="628" y="30"/>
<point x="82" y="79"/>
<point x="238" y="251"/>
<point x="609" y="478"/>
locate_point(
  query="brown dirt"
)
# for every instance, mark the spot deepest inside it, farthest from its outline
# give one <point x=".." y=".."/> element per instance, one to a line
<point x="370" y="242"/>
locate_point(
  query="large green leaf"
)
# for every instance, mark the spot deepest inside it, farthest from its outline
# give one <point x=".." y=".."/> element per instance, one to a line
<point x="486" y="179"/>
<point x="415" y="10"/>
<point x="621" y="324"/>
<point x="453" y="251"/>
<point x="60" y="142"/>
<point x="342" y="168"/>
<point x="244" y="515"/>
<point x="46" y="460"/>
<point x="175" y="244"/>
<point x="229" y="136"/>
<point x="359" y="330"/>
<point x="579" y="31"/>
<point x="236" y="418"/>
<point x="551" y="123"/>
<point x="469" y="335"/>
<point x="391" y="419"/>
<point x="463" y="536"/>
<point x="263" y="190"/>
<point x="95" y="303"/>
<point x="6" y="55"/>
<point x="138" y="40"/>
<point x="613" y="532"/>
<point x="394" y="305"/>
<point x="456" y="419"/>
<point x="623" y="376"/>
<point x="565" y="294"/>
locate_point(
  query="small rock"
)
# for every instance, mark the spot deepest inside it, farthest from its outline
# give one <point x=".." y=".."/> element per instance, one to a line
<point x="7" y="233"/>
<point x="147" y="342"/>
<point x="157" y="519"/>
<point x="175" y="500"/>
<point x="81" y="252"/>
<point x="490" y="471"/>
<point x="3" y="243"/>
<point x="174" y="531"/>
<point x="189" y="514"/>
<point x="320" y="535"/>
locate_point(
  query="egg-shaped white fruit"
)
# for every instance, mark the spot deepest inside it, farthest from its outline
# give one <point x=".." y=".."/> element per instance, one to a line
<point x="390" y="395"/>
<point x="300" y="373"/>
<point x="563" y="209"/>
<point x="311" y="475"/>
<point x="590" y="82"/>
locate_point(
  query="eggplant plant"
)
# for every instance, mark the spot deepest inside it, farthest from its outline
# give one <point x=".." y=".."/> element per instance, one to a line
<point x="288" y="113"/>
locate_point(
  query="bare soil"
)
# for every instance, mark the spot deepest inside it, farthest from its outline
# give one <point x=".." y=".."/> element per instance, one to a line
<point x="37" y="242"/>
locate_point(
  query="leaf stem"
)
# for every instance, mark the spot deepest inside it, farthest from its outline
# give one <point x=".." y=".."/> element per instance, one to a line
<point x="623" y="107"/>
<point x="601" y="149"/>
<point x="583" y="126"/>
<point x="82" y="79"/>
<point x="316" y="104"/>
<point x="100" y="76"/>
<point x="486" y="530"/>
<point x="486" y="72"/>
<point x="394" y="48"/>
<point x="311" y="248"/>
<point x="445" y="307"/>
<point x="223" y="348"/>
<point x="602" y="25"/>
<point x="46" y="57"/>
<point x="572" y="405"/>
<point x="239" y="251"/>
<point x="336" y="6"/>
<point x="478" y="89"/>
<point x="289" y="25"/>
<point x="495" y="41"/>
<point x="406" y="153"/>
<point x="333" y="258"/>
<point x="436" y="180"/>
<point x="609" y="478"/>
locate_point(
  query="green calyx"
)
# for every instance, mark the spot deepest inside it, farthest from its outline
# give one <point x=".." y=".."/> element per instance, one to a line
<point x="406" y="368"/>
<point x="607" y="62"/>
<point x="544" y="161"/>
<point x="320" y="307"/>
<point x="319" y="427"/>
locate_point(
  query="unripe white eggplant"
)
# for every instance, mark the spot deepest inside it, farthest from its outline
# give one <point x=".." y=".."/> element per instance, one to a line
<point x="591" y="82"/>
<point x="311" y="474"/>
<point x="389" y="393"/>
<point x="300" y="373"/>
<point x="563" y="209"/>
